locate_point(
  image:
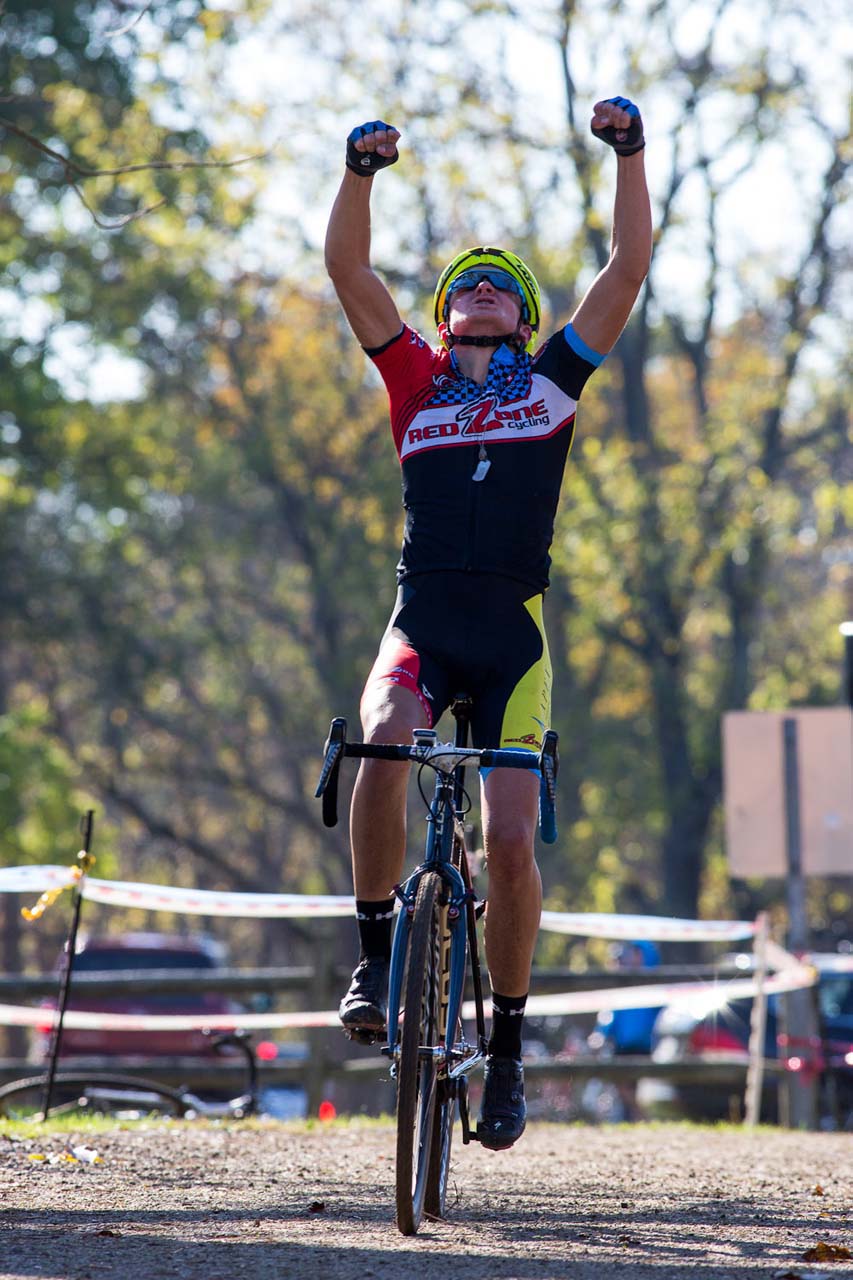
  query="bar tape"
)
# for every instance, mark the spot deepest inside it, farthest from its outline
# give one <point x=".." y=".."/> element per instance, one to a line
<point x="207" y="902"/>
<point x="701" y="996"/>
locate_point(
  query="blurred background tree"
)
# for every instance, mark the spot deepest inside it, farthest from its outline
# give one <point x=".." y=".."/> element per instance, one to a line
<point x="199" y="502"/>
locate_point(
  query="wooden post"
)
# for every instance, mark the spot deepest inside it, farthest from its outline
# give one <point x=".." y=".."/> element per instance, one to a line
<point x="84" y="861"/>
<point x="800" y="1022"/>
<point x="757" y="1024"/>
<point x="321" y="995"/>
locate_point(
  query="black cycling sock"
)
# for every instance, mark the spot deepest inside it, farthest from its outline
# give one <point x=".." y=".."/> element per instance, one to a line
<point x="375" y="921"/>
<point x="507" y="1017"/>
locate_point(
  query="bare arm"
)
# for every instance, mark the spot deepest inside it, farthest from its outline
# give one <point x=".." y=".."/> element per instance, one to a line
<point x="605" y="308"/>
<point x="367" y="303"/>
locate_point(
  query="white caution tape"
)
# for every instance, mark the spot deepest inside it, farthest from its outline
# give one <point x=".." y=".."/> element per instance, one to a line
<point x="208" y="902"/>
<point x="702" y="997"/>
<point x="34" y="879"/>
<point x="647" y="928"/>
<point x="19" y="1016"/>
<point x="833" y="964"/>
<point x="157" y="897"/>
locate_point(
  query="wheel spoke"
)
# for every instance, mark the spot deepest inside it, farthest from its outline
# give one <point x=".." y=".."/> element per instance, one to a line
<point x="417" y="1074"/>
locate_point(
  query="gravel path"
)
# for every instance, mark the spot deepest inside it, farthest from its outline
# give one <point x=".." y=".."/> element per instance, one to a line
<point x="211" y="1202"/>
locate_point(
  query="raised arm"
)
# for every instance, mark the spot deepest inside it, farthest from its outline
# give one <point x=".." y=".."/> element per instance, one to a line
<point x="367" y="304"/>
<point x="605" y="308"/>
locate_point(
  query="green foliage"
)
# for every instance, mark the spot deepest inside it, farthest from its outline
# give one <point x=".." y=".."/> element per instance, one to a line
<point x="195" y="570"/>
<point x="40" y="797"/>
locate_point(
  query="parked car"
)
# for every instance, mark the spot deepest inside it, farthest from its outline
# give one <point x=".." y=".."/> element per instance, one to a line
<point x="136" y="953"/>
<point x="709" y="1028"/>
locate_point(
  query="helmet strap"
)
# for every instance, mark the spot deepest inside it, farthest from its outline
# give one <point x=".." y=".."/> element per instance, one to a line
<point x="480" y="339"/>
<point x="512" y="340"/>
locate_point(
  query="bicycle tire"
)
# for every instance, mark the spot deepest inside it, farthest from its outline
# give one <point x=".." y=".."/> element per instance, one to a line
<point x="435" y="1200"/>
<point x="34" y="1085"/>
<point x="417" y="1073"/>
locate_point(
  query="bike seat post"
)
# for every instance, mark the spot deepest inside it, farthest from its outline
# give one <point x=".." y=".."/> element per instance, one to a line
<point x="461" y="708"/>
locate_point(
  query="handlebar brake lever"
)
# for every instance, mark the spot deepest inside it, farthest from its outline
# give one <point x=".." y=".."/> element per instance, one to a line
<point x="327" y="787"/>
<point x="549" y="763"/>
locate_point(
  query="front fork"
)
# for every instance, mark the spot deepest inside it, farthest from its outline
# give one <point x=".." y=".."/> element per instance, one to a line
<point x="450" y="1001"/>
<point x="454" y="1067"/>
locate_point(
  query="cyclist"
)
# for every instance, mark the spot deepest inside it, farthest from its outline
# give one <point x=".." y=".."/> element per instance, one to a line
<point x="482" y="429"/>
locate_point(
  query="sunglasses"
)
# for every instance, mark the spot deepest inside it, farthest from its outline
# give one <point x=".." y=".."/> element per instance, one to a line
<point x="498" y="279"/>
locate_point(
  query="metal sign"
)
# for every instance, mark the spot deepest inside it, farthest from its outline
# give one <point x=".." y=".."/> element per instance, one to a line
<point x="754" y="790"/>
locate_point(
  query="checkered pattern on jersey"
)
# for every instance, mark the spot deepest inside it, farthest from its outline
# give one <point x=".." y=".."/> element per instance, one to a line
<point x="508" y="379"/>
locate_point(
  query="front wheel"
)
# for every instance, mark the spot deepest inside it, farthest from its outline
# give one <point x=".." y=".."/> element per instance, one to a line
<point x="447" y="1090"/>
<point x="417" y="1069"/>
<point x="439" y="1161"/>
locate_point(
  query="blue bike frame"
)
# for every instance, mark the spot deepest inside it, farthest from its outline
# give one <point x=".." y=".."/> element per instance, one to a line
<point x="441" y="828"/>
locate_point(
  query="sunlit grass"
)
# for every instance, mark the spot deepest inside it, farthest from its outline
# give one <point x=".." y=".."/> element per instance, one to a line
<point x="84" y="1126"/>
<point x="63" y="1126"/>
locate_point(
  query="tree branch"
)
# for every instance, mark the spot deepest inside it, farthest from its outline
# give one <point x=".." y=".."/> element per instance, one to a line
<point x="128" y="26"/>
<point x="72" y="167"/>
<point x="122" y="222"/>
<point x="614" y="633"/>
<point x="158" y="827"/>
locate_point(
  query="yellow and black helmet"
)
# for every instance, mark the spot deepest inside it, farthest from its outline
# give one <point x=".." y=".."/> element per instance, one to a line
<point x="496" y="260"/>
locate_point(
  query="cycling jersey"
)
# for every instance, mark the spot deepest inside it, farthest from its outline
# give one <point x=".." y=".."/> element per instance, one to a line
<point x="481" y="634"/>
<point x="523" y="417"/>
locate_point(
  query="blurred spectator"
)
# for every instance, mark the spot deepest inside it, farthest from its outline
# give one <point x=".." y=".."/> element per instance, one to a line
<point x="628" y="1031"/>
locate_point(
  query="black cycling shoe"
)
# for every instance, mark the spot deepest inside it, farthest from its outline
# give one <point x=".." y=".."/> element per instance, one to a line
<point x="363" y="1010"/>
<point x="503" y="1111"/>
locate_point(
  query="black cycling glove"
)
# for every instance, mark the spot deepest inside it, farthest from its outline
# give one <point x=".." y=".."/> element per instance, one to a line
<point x="625" y="142"/>
<point x="366" y="163"/>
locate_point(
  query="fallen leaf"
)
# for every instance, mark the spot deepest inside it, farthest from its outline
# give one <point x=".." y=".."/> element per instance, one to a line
<point x="801" y="1275"/>
<point x="823" y="1252"/>
<point x="87" y="1155"/>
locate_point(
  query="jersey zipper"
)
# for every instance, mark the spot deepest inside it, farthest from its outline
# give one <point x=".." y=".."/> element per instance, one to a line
<point x="474" y="488"/>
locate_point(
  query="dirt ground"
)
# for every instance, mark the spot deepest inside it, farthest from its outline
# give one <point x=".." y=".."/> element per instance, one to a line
<point x="214" y="1202"/>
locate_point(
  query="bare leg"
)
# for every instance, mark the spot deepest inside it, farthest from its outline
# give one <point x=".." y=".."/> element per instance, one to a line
<point x="510" y="806"/>
<point x="378" y="837"/>
<point x="389" y="713"/>
<point x="512" y="923"/>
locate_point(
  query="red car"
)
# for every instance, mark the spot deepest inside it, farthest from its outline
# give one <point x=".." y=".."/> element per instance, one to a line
<point x="708" y="1027"/>
<point x="134" y="954"/>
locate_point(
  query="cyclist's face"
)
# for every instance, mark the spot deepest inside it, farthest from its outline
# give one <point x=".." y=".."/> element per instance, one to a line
<point x="479" y="307"/>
